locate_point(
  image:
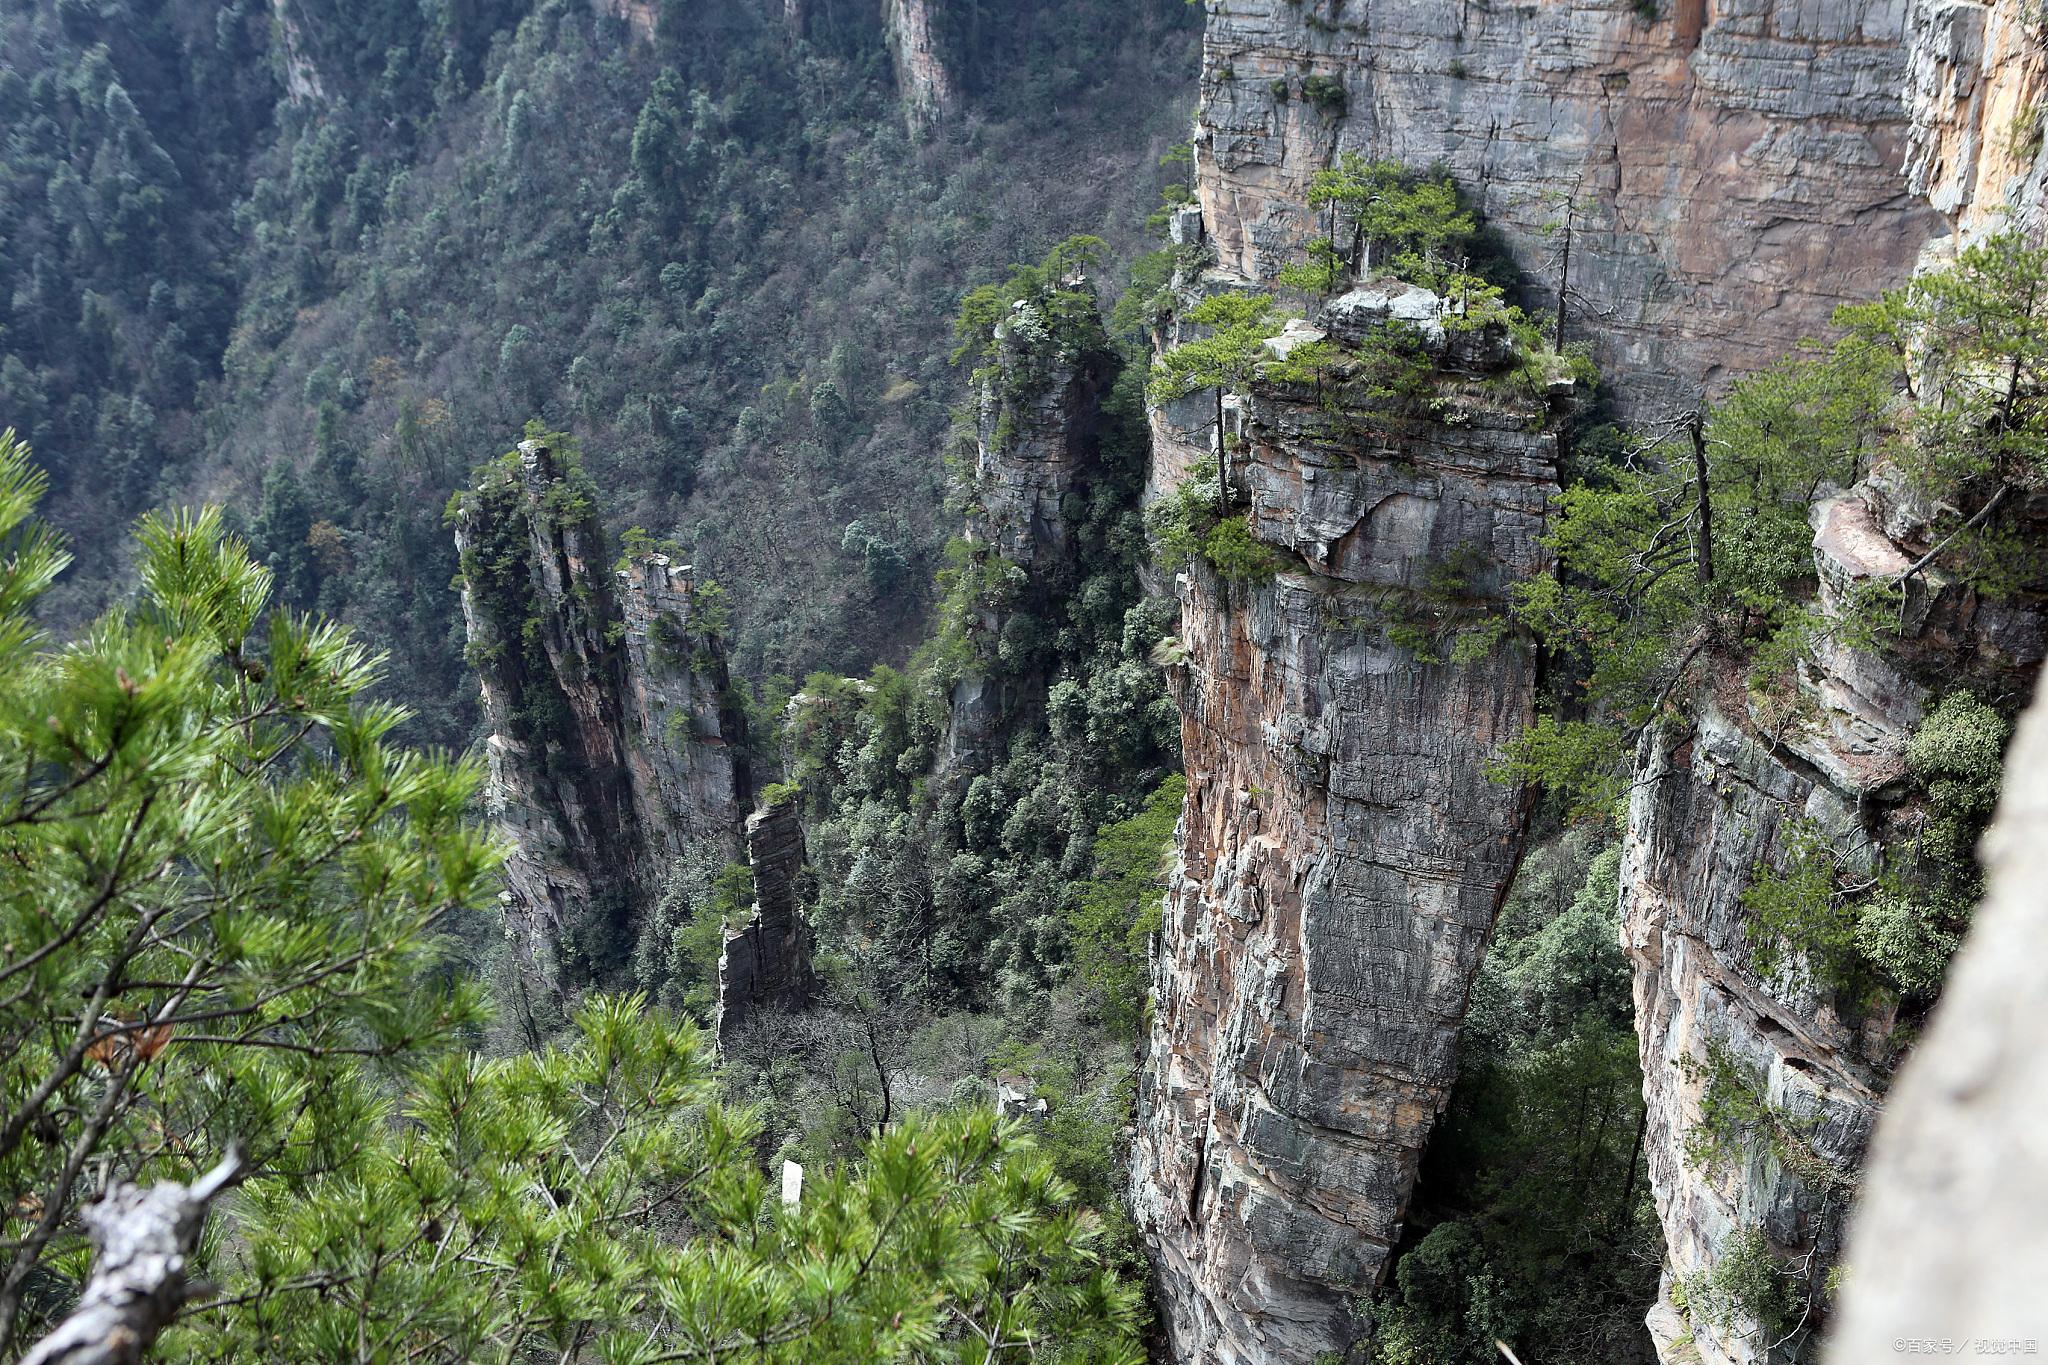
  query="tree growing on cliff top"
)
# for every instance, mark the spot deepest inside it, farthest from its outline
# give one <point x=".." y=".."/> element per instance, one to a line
<point x="1226" y="359"/>
<point x="1691" y="540"/>
<point x="1412" y="224"/>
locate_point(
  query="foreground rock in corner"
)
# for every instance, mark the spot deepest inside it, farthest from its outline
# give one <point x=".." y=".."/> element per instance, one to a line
<point x="1947" y="1243"/>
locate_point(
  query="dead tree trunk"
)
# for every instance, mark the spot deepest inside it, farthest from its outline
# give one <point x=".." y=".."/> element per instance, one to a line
<point x="138" y="1283"/>
<point x="1705" y="495"/>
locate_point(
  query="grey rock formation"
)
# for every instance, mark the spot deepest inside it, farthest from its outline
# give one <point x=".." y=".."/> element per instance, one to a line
<point x="923" y="82"/>
<point x="1735" y="789"/>
<point x="605" y="701"/>
<point x="1946" y="1249"/>
<point x="1978" y="78"/>
<point x="1713" y="802"/>
<point x="1037" y="451"/>
<point x="1735" y="165"/>
<point x="767" y="960"/>
<point x="1341" y="854"/>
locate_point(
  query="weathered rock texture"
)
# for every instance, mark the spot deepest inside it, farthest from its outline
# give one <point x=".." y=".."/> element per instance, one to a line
<point x="1711" y="802"/>
<point x="1342" y="854"/>
<point x="1037" y="450"/>
<point x="1714" y="801"/>
<point x="605" y="701"/>
<point x="767" y="960"/>
<point x="922" y="78"/>
<point x="1977" y="94"/>
<point x="1946" y="1243"/>
<point x="1736" y="163"/>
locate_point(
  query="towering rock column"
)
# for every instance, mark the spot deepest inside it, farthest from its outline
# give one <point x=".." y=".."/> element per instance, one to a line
<point x="1037" y="450"/>
<point x="605" y="701"/>
<point x="767" y="960"/>
<point x="923" y="82"/>
<point x="1342" y="852"/>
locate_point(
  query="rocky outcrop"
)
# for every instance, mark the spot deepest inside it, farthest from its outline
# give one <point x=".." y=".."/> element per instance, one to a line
<point x="302" y="83"/>
<point x="767" y="960"/>
<point x="639" y="16"/>
<point x="1977" y="97"/>
<point x="1735" y="166"/>
<point x="1037" y="450"/>
<point x="923" y="81"/>
<point x="1751" y="777"/>
<point x="1342" y="853"/>
<point x="1945" y="1247"/>
<point x="604" y="696"/>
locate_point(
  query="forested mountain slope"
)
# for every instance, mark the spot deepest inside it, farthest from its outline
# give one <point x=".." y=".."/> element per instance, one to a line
<point x="1433" y="781"/>
<point x="316" y="262"/>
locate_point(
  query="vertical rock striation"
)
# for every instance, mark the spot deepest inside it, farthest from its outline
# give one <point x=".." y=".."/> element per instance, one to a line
<point x="1946" y="1242"/>
<point x="605" y="700"/>
<point x="1747" y="779"/>
<point x="767" y="960"/>
<point x="1976" y="95"/>
<point x="1342" y="853"/>
<point x="1736" y="789"/>
<point x="923" y="81"/>
<point x="1735" y="164"/>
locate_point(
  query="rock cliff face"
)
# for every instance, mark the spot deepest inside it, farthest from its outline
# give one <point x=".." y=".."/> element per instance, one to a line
<point x="1037" y="449"/>
<point x="923" y="81"/>
<point x="1735" y="164"/>
<point x="604" y="696"/>
<point x="1946" y="1242"/>
<point x="1341" y="853"/>
<point x="1978" y="79"/>
<point x="767" y="960"/>
<point x="1713" y="802"/>
<point x="1739" y="788"/>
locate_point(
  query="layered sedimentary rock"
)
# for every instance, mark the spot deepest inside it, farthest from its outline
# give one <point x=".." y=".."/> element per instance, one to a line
<point x="1739" y="787"/>
<point x="922" y="79"/>
<point x="1037" y="450"/>
<point x="1732" y="167"/>
<point x="1946" y="1241"/>
<point x="1342" y="853"/>
<point x="1976" y="97"/>
<point x="1730" y="793"/>
<point x="605" y="699"/>
<point x="767" y="960"/>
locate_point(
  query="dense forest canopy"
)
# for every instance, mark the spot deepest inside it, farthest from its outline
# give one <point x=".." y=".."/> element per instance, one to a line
<point x="878" y="343"/>
<point x="318" y="262"/>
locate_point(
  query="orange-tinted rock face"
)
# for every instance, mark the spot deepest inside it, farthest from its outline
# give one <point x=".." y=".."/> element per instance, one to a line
<point x="1976" y="96"/>
<point x="1342" y="856"/>
<point x="1736" y="164"/>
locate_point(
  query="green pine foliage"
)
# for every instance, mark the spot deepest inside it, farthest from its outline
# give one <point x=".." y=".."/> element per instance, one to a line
<point x="1660" y="569"/>
<point x="227" y="923"/>
<point x="1118" y="910"/>
<point x="318" y="267"/>
<point x="596" y="1200"/>
<point x="228" y="895"/>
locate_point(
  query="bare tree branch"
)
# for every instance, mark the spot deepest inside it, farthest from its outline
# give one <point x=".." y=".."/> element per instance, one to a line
<point x="138" y="1278"/>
